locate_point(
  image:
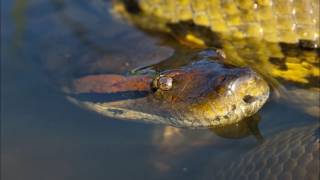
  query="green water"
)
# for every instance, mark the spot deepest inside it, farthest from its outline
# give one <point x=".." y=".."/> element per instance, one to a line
<point x="46" y="43"/>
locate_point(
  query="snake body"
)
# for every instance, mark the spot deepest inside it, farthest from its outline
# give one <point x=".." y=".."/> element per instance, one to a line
<point x="269" y="20"/>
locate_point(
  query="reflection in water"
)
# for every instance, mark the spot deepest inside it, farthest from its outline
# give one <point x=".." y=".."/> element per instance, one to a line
<point x="248" y="126"/>
<point x="19" y="15"/>
<point x="78" y="29"/>
<point x="173" y="144"/>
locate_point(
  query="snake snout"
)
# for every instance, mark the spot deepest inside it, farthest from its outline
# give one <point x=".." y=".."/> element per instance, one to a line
<point x="251" y="90"/>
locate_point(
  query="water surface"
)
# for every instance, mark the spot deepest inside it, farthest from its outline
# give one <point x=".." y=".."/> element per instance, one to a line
<point x="46" y="137"/>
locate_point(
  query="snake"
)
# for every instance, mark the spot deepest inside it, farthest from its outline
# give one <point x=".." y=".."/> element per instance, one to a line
<point x="279" y="60"/>
<point x="277" y="40"/>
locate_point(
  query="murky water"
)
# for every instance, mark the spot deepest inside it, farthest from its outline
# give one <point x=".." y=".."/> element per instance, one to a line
<point x="46" y="43"/>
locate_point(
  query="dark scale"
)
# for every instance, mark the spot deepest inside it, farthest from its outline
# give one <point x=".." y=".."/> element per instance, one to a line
<point x="280" y="62"/>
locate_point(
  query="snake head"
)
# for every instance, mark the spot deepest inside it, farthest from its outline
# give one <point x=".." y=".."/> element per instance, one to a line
<point x="208" y="93"/>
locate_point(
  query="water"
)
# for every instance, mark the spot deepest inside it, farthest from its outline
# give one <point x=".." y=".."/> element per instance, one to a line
<point x="44" y="43"/>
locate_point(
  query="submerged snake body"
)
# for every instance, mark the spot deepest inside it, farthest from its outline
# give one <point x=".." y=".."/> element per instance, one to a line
<point x="292" y="154"/>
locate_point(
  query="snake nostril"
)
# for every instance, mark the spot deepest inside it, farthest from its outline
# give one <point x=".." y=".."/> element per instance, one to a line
<point x="249" y="99"/>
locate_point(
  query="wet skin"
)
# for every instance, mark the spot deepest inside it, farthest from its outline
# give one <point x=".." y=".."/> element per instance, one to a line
<point x="203" y="93"/>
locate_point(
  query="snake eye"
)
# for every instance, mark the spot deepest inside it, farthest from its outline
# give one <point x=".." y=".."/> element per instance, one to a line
<point x="163" y="83"/>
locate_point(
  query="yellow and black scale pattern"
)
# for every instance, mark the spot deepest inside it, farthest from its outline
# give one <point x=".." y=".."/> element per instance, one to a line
<point x="266" y="34"/>
<point x="272" y="20"/>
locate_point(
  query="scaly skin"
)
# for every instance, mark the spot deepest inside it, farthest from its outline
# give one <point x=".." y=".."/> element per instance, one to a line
<point x="204" y="94"/>
<point x="270" y="20"/>
<point x="292" y="154"/>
